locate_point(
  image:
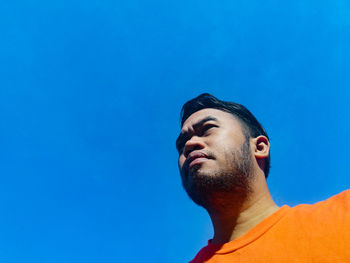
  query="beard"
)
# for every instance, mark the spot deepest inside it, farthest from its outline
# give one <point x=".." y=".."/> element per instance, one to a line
<point x="205" y="187"/>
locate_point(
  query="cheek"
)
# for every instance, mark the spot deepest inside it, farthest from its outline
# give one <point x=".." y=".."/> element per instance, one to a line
<point x="181" y="161"/>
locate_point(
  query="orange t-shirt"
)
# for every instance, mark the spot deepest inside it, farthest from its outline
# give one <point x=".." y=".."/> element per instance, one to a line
<point x="305" y="233"/>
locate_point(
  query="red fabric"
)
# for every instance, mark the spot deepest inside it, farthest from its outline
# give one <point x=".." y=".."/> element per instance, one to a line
<point x="305" y="233"/>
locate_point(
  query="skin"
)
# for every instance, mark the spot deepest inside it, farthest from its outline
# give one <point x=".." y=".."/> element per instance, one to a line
<point x="227" y="177"/>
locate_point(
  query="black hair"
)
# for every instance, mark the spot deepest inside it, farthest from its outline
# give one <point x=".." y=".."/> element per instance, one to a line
<point x="252" y="127"/>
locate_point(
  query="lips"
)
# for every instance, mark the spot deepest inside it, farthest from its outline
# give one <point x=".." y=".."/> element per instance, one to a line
<point x="196" y="158"/>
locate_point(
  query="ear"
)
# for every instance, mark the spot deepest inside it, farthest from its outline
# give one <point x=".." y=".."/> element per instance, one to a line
<point x="261" y="147"/>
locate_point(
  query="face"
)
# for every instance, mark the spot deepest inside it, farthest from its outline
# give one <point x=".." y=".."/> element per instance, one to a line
<point x="214" y="155"/>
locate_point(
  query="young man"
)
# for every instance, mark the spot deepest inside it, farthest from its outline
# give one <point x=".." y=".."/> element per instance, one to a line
<point x="224" y="161"/>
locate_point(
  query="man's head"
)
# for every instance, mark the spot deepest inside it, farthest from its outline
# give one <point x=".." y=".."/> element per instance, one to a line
<point x="215" y="151"/>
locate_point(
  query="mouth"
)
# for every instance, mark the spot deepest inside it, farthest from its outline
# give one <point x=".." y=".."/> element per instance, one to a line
<point x="196" y="158"/>
<point x="197" y="161"/>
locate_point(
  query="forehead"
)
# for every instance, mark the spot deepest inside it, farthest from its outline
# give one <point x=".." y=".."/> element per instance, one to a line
<point x="221" y="116"/>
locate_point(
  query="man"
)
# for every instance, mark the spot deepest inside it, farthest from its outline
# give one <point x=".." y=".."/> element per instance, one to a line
<point x="224" y="160"/>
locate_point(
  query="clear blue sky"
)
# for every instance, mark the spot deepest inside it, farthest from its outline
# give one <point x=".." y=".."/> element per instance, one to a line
<point x="90" y="94"/>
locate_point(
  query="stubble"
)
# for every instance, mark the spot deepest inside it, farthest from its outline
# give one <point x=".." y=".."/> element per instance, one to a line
<point x="205" y="188"/>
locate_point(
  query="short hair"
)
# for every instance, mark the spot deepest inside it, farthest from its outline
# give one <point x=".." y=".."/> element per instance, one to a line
<point x="251" y="126"/>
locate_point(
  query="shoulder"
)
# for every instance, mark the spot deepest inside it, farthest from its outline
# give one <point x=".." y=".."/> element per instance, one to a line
<point x="337" y="206"/>
<point x="341" y="200"/>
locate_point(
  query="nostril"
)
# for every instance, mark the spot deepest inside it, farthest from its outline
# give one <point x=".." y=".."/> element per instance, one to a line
<point x="192" y="144"/>
<point x="187" y="151"/>
<point x="190" y="148"/>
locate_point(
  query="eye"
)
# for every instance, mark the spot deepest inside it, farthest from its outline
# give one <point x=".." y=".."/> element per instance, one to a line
<point x="207" y="127"/>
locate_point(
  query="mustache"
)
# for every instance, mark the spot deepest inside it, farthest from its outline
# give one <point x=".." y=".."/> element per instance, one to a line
<point x="185" y="171"/>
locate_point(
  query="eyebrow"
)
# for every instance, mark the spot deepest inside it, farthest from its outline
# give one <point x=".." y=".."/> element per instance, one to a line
<point x="183" y="135"/>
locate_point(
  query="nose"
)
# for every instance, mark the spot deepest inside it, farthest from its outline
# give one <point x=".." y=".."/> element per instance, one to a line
<point x="195" y="143"/>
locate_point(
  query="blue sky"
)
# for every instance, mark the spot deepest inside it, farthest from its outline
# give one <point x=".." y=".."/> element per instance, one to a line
<point x="90" y="94"/>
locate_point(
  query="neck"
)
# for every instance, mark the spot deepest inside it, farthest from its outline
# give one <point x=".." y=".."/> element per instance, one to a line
<point x="235" y="214"/>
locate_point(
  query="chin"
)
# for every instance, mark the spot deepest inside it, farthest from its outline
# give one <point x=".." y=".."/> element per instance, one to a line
<point x="205" y="172"/>
<point x="202" y="169"/>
